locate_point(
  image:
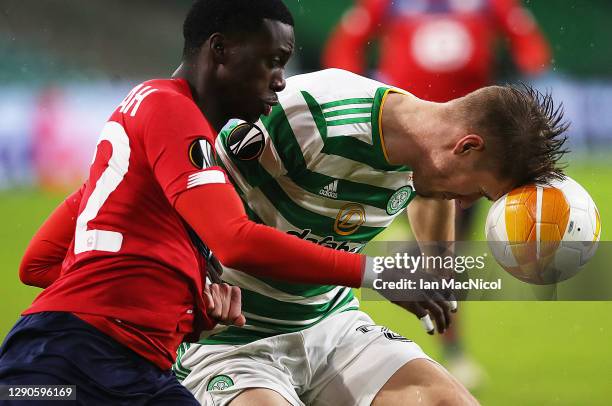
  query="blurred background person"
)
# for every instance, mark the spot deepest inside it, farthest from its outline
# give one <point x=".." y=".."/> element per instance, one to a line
<point x="439" y="50"/>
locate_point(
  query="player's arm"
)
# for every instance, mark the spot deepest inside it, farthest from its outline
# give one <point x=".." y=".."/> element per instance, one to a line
<point x="42" y="261"/>
<point x="217" y="215"/>
<point x="179" y="148"/>
<point x="346" y="47"/>
<point x="432" y="219"/>
<point x="433" y="225"/>
<point x="529" y="48"/>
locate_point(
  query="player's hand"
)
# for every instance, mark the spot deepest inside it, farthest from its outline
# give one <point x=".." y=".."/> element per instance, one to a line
<point x="439" y="309"/>
<point x="224" y="304"/>
<point x="430" y="304"/>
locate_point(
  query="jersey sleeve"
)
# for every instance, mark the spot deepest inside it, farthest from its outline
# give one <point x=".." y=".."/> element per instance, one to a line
<point x="218" y="217"/>
<point x="42" y="261"/>
<point x="178" y="143"/>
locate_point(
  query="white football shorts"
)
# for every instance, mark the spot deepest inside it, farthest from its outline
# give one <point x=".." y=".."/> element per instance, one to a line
<point x="343" y="360"/>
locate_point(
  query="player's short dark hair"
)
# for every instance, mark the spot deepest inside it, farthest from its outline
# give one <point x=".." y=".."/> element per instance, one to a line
<point x="229" y="16"/>
<point x="523" y="128"/>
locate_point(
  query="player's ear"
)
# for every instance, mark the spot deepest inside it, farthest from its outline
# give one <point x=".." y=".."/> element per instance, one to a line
<point x="218" y="47"/>
<point x="467" y="143"/>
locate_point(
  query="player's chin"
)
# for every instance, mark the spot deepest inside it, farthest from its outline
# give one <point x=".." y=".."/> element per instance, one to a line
<point x="424" y="190"/>
<point x="251" y="115"/>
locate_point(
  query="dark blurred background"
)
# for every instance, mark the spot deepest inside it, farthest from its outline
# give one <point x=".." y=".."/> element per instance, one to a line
<point x="43" y="40"/>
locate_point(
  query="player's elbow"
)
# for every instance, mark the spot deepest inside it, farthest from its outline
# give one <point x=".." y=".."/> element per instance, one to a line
<point x="37" y="275"/>
<point x="233" y="255"/>
<point x="239" y="246"/>
<point x="27" y="274"/>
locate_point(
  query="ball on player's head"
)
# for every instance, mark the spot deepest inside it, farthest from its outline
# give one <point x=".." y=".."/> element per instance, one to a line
<point x="544" y="234"/>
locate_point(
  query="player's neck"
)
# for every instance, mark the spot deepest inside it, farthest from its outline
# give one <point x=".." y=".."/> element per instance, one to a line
<point x="413" y="128"/>
<point x="203" y="95"/>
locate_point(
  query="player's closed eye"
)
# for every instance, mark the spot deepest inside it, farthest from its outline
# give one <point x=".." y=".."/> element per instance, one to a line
<point x="276" y="62"/>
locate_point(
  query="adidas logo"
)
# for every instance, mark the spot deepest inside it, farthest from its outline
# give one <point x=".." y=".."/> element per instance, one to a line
<point x="330" y="190"/>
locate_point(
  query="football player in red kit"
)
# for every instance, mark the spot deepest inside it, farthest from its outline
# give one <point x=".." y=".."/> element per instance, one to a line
<point x="439" y="50"/>
<point x="131" y="286"/>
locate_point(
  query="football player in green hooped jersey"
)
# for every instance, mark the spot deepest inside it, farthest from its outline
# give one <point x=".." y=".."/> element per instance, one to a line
<point x="334" y="163"/>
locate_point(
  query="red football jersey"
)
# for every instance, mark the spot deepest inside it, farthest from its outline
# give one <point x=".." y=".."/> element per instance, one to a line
<point x="437" y="49"/>
<point x="132" y="261"/>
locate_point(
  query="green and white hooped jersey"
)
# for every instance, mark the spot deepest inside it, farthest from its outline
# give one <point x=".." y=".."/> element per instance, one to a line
<point x="314" y="168"/>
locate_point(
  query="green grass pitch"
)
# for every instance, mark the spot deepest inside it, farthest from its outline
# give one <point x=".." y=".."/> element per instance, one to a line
<point x="534" y="353"/>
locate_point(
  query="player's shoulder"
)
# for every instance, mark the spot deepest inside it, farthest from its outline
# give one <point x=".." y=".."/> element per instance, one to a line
<point x="331" y="84"/>
<point x="332" y="77"/>
<point x="174" y="91"/>
<point x="162" y="104"/>
<point x="324" y="74"/>
<point x="158" y="94"/>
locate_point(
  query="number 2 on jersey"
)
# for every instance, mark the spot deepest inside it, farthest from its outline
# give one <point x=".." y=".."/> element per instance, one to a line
<point x="104" y="240"/>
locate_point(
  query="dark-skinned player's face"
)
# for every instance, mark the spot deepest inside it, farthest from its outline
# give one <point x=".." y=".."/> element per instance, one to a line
<point x="253" y="70"/>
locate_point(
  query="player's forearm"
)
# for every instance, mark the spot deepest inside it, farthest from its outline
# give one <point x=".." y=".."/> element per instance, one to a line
<point x="217" y="215"/>
<point x="42" y="261"/>
<point x="432" y="220"/>
<point x="39" y="274"/>
<point x="269" y="253"/>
